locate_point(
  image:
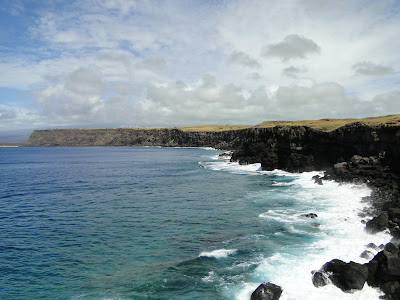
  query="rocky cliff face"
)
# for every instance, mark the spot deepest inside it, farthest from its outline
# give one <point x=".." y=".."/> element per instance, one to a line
<point x="127" y="137"/>
<point x="300" y="149"/>
<point x="292" y="148"/>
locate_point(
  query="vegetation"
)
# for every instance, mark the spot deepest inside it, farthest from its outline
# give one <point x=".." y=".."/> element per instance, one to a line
<point x="322" y="124"/>
<point x="332" y="124"/>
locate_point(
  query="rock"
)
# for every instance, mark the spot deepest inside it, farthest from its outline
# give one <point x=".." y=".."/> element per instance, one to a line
<point x="309" y="215"/>
<point x="320" y="279"/>
<point x="340" y="168"/>
<point x="267" y="291"/>
<point x="391" y="290"/>
<point x="346" y="276"/>
<point x="317" y="179"/>
<point x="366" y="254"/>
<point x="384" y="267"/>
<point x="372" y="246"/>
<point x="377" y="224"/>
<point x="390" y="247"/>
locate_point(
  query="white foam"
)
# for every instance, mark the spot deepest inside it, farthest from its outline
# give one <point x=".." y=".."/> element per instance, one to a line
<point x="220" y="253"/>
<point x="210" y="277"/>
<point x="232" y="167"/>
<point x="340" y="235"/>
<point x="281" y="183"/>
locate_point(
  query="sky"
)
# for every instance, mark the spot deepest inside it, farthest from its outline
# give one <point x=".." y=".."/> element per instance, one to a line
<point x="111" y="63"/>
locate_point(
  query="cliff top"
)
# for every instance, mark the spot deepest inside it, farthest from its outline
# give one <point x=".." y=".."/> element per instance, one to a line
<point x="322" y="124"/>
<point x="332" y="124"/>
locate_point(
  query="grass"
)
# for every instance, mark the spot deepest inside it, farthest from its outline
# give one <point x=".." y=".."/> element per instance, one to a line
<point x="322" y="124"/>
<point x="199" y="127"/>
<point x="332" y="124"/>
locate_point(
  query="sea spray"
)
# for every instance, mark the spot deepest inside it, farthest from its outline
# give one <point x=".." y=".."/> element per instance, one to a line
<point x="340" y="234"/>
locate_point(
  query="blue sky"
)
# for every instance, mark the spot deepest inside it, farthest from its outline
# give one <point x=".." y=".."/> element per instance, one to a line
<point x="171" y="63"/>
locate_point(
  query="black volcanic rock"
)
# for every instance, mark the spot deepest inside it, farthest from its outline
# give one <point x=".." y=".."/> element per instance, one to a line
<point x="384" y="267"/>
<point x="317" y="179"/>
<point x="346" y="276"/>
<point x="378" y="223"/>
<point x="391" y="290"/>
<point x="267" y="291"/>
<point x="309" y="215"/>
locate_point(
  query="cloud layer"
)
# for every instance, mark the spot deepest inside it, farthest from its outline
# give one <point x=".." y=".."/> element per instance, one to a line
<point x="171" y="63"/>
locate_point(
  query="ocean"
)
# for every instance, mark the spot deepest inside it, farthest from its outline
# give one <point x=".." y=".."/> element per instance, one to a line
<point x="169" y="223"/>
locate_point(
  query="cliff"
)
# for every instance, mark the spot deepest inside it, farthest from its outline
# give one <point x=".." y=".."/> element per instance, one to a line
<point x="299" y="148"/>
<point x="128" y="136"/>
<point x="292" y="148"/>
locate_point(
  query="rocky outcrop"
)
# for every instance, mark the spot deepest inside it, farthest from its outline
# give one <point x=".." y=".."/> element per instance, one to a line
<point x="267" y="291"/>
<point x="346" y="276"/>
<point x="382" y="271"/>
<point x="298" y="148"/>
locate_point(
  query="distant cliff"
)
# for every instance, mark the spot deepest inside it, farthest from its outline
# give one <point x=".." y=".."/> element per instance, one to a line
<point x="128" y="136"/>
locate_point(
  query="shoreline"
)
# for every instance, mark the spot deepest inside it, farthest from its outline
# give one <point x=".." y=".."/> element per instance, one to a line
<point x="383" y="212"/>
<point x="355" y="153"/>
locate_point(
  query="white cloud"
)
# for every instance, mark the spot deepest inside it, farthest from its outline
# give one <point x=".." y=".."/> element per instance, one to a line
<point x="117" y="61"/>
<point x="292" y="47"/>
<point x="7" y="113"/>
<point x="243" y="59"/>
<point x="293" y="72"/>
<point x="370" y="69"/>
<point x="387" y="103"/>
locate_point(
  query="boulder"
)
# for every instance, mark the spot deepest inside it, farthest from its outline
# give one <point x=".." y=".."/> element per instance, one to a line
<point x="317" y="179"/>
<point x="372" y="246"/>
<point x="320" y="279"/>
<point x="346" y="276"/>
<point x="267" y="291"/>
<point x="384" y="267"/>
<point x="366" y="254"/>
<point x="309" y="215"/>
<point x="378" y="223"/>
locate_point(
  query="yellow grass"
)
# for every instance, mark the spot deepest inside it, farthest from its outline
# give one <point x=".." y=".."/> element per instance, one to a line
<point x="332" y="124"/>
<point x="322" y="124"/>
<point x="200" y="127"/>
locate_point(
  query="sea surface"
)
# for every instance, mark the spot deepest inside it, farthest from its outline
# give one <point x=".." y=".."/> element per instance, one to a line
<point x="168" y="223"/>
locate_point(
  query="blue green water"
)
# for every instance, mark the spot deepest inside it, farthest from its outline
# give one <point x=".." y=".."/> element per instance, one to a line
<point x="146" y="223"/>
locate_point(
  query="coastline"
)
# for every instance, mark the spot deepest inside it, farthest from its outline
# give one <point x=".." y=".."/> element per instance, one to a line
<point x="354" y="153"/>
<point x="381" y="213"/>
